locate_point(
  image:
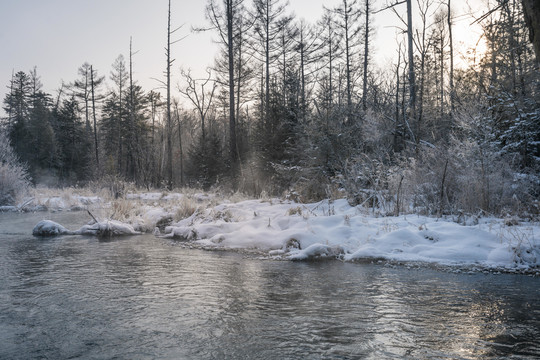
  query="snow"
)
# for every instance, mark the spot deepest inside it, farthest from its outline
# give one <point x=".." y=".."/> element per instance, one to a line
<point x="49" y="228"/>
<point x="152" y="218"/>
<point x="68" y="201"/>
<point x="108" y="228"/>
<point x="286" y="230"/>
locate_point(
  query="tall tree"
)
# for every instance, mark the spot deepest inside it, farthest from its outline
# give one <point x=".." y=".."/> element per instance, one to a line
<point x="169" y="124"/>
<point x="226" y="20"/>
<point x="451" y="46"/>
<point x="74" y="146"/>
<point x="95" y="82"/>
<point x="348" y="17"/>
<point x="16" y="105"/>
<point x="308" y="45"/>
<point x="367" y="34"/>
<point x="119" y="76"/>
<point x="412" y="74"/>
<point x="268" y="14"/>
<point x="81" y="89"/>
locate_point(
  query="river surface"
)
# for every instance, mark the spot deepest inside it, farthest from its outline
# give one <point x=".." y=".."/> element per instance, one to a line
<point x="143" y="297"/>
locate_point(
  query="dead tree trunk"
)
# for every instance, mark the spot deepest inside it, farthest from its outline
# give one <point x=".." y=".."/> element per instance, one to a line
<point x="92" y="87"/>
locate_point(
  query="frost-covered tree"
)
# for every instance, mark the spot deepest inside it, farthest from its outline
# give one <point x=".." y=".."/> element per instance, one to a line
<point x="14" y="178"/>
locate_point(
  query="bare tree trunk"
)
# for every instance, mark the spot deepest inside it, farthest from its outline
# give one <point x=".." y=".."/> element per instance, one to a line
<point x="131" y="171"/>
<point x="232" y="116"/>
<point x="451" y="45"/>
<point x="267" y="64"/>
<point x="441" y="64"/>
<point x="120" y="147"/>
<point x="181" y="150"/>
<point x="398" y="86"/>
<point x="348" y="62"/>
<point x="302" y="75"/>
<point x="169" y="120"/>
<point x="531" y="9"/>
<point x="412" y="77"/>
<point x="94" y="115"/>
<point x="366" y="56"/>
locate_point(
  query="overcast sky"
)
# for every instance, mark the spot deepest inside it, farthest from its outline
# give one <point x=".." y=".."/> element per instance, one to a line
<point x="58" y="36"/>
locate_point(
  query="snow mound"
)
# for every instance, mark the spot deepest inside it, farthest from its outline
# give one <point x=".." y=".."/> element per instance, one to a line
<point x="106" y="229"/>
<point x="103" y="229"/>
<point x="152" y="218"/>
<point x="317" y="251"/>
<point x="49" y="228"/>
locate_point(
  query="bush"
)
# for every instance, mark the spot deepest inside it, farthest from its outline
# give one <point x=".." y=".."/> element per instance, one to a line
<point x="14" y="178"/>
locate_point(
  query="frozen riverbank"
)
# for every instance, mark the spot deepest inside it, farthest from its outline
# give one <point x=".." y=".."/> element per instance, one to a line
<point x="330" y="229"/>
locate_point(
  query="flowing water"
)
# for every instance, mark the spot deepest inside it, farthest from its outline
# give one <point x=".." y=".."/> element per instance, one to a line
<point x="147" y="298"/>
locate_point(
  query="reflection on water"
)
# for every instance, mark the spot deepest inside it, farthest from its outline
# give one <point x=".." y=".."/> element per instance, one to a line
<point x="143" y="297"/>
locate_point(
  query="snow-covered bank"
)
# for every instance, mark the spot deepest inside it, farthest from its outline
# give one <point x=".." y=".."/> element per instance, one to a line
<point x="66" y="202"/>
<point x="327" y="229"/>
<point x="336" y="230"/>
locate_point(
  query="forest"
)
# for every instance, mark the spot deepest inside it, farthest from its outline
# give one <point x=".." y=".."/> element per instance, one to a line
<point x="301" y="111"/>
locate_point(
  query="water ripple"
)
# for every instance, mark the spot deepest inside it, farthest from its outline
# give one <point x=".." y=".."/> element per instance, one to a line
<point x="140" y="297"/>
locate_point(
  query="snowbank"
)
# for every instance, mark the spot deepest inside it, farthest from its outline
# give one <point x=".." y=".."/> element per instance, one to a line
<point x="72" y="202"/>
<point x="286" y="230"/>
<point x="327" y="229"/>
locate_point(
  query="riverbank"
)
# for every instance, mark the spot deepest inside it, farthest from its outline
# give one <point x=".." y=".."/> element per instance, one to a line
<point x="286" y="230"/>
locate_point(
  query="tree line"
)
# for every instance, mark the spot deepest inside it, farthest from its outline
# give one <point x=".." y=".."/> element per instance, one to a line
<point x="301" y="109"/>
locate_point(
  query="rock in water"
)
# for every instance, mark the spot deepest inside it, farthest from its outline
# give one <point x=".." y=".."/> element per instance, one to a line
<point x="49" y="228"/>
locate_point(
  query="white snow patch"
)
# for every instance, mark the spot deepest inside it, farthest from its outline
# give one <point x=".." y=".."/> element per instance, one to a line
<point x="49" y="228"/>
<point x="108" y="228"/>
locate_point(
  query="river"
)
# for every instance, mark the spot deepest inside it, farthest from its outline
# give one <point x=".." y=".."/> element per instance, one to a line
<point x="143" y="297"/>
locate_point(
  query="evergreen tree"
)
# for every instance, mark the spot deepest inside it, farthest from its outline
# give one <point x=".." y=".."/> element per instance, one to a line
<point x="16" y="105"/>
<point x="74" y="146"/>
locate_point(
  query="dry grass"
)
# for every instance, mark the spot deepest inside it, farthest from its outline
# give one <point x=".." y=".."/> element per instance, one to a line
<point x="186" y="207"/>
<point x="294" y="211"/>
<point x="124" y="210"/>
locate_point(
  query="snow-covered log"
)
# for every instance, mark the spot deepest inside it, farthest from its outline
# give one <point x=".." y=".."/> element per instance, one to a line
<point x="107" y="229"/>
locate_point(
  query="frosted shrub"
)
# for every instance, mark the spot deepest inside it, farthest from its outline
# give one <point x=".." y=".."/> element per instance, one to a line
<point x="365" y="181"/>
<point x="14" y="178"/>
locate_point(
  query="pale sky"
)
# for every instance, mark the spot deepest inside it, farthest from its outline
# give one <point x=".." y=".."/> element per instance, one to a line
<point x="58" y="36"/>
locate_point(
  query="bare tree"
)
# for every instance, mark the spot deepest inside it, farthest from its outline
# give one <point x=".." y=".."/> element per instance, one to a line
<point x="367" y="31"/>
<point x="412" y="75"/>
<point x="451" y="46"/>
<point x="167" y="84"/>
<point x="267" y="29"/>
<point x="169" y="120"/>
<point x="410" y="42"/>
<point x="201" y="99"/>
<point x="226" y="20"/>
<point x="95" y="81"/>
<point x="348" y="16"/>
<point x="308" y="45"/>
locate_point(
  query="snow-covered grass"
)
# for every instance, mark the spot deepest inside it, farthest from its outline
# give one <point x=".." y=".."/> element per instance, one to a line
<point x="286" y="230"/>
<point x="334" y="229"/>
